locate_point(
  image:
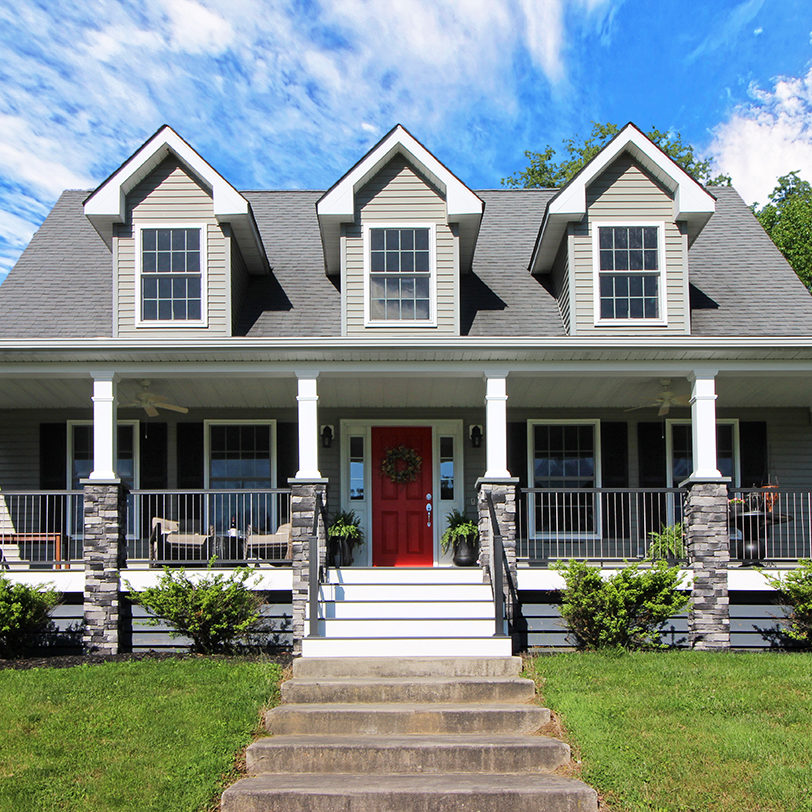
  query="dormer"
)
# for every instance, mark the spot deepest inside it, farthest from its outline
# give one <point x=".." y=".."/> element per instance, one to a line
<point x="183" y="239"/>
<point x="615" y="240"/>
<point x="399" y="228"/>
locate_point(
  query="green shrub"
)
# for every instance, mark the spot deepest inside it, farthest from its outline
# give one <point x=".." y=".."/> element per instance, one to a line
<point x="460" y="527"/>
<point x="23" y="612"/>
<point x="795" y="589"/>
<point x="214" y="610"/>
<point x="668" y="542"/>
<point x="625" y="610"/>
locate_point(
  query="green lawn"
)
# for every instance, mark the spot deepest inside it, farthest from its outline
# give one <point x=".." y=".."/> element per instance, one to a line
<point x="145" y="735"/>
<point x="688" y="730"/>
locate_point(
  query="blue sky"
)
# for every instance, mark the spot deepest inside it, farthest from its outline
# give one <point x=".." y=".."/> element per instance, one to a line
<point x="290" y="94"/>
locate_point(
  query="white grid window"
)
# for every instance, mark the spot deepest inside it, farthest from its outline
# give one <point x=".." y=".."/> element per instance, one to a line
<point x="629" y="272"/>
<point x="171" y="277"/>
<point x="400" y="274"/>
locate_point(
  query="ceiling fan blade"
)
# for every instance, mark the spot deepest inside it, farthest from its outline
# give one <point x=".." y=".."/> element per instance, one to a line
<point x="665" y="408"/>
<point x="172" y="407"/>
<point x="150" y="410"/>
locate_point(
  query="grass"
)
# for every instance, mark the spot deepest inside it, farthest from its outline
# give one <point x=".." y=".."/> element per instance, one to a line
<point x="687" y="730"/>
<point x="146" y="735"/>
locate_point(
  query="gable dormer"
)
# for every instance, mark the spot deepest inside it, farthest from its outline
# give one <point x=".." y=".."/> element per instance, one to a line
<point x="615" y="240"/>
<point x="399" y="228"/>
<point x="183" y="241"/>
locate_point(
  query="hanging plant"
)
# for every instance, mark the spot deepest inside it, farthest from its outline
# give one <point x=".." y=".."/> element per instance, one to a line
<point x="401" y="464"/>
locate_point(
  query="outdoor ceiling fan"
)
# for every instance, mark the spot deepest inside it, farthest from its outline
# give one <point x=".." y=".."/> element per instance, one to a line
<point x="664" y="400"/>
<point x="150" y="402"/>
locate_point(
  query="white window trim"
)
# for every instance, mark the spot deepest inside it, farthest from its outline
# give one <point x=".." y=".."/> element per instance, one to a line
<point x="207" y="424"/>
<point x="363" y="507"/>
<point x="595" y="225"/>
<point x="531" y="476"/>
<point x="669" y="448"/>
<point x="138" y="228"/>
<point x="432" y="320"/>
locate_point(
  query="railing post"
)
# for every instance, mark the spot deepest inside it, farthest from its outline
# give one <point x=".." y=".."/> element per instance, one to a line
<point x="497" y="569"/>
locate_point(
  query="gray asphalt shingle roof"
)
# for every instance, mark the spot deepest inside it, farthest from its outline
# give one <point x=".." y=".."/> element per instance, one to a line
<point x="740" y="283"/>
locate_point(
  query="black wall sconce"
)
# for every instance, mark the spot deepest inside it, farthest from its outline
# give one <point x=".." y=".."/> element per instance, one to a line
<point x="475" y="433"/>
<point x="327" y="434"/>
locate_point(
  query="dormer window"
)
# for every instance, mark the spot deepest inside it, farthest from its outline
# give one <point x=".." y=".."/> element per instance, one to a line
<point x="172" y="261"/>
<point x="400" y="263"/>
<point x="629" y="267"/>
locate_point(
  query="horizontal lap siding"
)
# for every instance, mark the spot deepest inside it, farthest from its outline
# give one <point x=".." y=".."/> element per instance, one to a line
<point x="626" y="192"/>
<point x="171" y="195"/>
<point x="561" y="282"/>
<point x="398" y="194"/>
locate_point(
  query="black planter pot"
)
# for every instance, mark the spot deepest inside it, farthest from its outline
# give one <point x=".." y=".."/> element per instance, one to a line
<point x="465" y="553"/>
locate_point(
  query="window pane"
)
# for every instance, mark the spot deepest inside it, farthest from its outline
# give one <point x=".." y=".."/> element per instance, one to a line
<point x="193" y="310"/>
<point x="407" y="262"/>
<point x="406" y="239"/>
<point x="377" y="263"/>
<point x="635" y="238"/>
<point x="165" y="287"/>
<point x="650" y="237"/>
<point x="421" y="261"/>
<point x="392" y="239"/>
<point x="164" y="239"/>
<point x="400" y="293"/>
<point x="650" y="260"/>
<point x="192" y="239"/>
<point x="421" y="239"/>
<point x="607" y="261"/>
<point x="164" y="310"/>
<point x="621" y="238"/>
<point x="635" y="260"/>
<point x="392" y="261"/>
<point x="376" y="239"/>
<point x="421" y="309"/>
<point x="193" y="261"/>
<point x="164" y="261"/>
<point x="446" y="468"/>
<point x="149" y="237"/>
<point x="621" y="260"/>
<point x="148" y="262"/>
<point x="605" y="237"/>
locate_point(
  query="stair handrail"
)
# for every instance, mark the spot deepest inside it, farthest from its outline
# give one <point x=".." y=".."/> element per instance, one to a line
<point x="499" y="570"/>
<point x="315" y="567"/>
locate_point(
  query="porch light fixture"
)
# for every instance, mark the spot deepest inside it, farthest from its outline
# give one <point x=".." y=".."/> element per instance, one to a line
<point x="327" y="434"/>
<point x="475" y="433"/>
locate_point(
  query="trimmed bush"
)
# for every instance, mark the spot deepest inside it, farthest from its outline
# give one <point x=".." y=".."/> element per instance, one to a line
<point x="24" y="611"/>
<point x="795" y="589"/>
<point x="625" y="610"/>
<point x="216" y="611"/>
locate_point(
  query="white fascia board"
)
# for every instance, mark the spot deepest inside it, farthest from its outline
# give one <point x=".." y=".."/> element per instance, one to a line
<point x="107" y="203"/>
<point x="340" y="200"/>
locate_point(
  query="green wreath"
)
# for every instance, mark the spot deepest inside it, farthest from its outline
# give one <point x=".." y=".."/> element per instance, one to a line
<point x="401" y="464"/>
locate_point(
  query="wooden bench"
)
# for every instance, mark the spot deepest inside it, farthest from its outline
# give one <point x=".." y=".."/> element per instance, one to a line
<point x="19" y="540"/>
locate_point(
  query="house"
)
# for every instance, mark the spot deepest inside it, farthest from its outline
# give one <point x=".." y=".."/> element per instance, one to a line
<point x="187" y="371"/>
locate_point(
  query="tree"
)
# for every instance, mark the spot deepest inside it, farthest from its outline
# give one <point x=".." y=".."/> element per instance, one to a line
<point x="544" y="170"/>
<point x="787" y="218"/>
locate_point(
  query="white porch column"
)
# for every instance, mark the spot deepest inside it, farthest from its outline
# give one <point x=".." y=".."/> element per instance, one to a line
<point x="105" y="432"/>
<point x="496" y="425"/>
<point x="308" y="400"/>
<point x="703" y="424"/>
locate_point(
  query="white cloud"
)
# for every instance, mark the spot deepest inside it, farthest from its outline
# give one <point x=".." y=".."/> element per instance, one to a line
<point x="197" y="30"/>
<point x="768" y="137"/>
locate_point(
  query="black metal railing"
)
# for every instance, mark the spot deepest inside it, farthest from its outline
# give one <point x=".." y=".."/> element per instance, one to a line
<point x="600" y="524"/>
<point x="315" y="566"/>
<point x="501" y="580"/>
<point x="191" y="527"/>
<point x="769" y="524"/>
<point x="41" y="529"/>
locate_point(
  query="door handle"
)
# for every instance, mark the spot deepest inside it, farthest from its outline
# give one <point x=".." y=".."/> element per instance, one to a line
<point x="428" y="514"/>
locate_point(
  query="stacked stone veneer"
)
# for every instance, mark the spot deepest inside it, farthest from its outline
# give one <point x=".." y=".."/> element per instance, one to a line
<point x="302" y="505"/>
<point x="706" y="522"/>
<point x="105" y="550"/>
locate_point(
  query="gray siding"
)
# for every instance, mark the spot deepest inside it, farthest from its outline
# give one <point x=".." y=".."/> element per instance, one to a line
<point x="399" y="194"/>
<point x="239" y="280"/>
<point x="625" y="192"/>
<point x="170" y="194"/>
<point x="561" y="283"/>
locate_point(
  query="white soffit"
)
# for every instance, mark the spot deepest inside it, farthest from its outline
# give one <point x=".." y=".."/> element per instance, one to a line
<point x="337" y="204"/>
<point x="107" y="204"/>
<point x="692" y="202"/>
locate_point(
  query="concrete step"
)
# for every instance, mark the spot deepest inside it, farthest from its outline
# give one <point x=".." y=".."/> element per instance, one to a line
<point x="414" y="575"/>
<point x="409" y="793"/>
<point x="370" y="719"/>
<point x="407" y="647"/>
<point x="385" y="592"/>
<point x="405" y="689"/>
<point x="383" y="666"/>
<point x="406" y="754"/>
<point x="400" y="609"/>
<point x="407" y="627"/>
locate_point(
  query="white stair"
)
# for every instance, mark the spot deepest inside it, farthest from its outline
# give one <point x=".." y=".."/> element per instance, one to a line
<point x="407" y="611"/>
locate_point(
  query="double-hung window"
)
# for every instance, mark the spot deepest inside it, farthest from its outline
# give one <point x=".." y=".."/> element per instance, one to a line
<point x="400" y="263"/>
<point x="629" y="269"/>
<point x="172" y="260"/>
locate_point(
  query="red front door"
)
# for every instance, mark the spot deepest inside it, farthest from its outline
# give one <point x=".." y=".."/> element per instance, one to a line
<point x="402" y="528"/>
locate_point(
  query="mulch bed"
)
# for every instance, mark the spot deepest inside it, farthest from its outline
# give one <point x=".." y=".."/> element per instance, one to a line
<point x="71" y="660"/>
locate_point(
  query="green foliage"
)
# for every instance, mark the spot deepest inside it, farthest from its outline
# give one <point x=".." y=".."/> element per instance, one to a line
<point x="23" y="612"/>
<point x="215" y="610"/>
<point x="795" y="589"/>
<point x="346" y="526"/>
<point x="668" y="542"/>
<point x="625" y="610"/>
<point x="546" y="170"/>
<point x="459" y="528"/>
<point x="787" y="218"/>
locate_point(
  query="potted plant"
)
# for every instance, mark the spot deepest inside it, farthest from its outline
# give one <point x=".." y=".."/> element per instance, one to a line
<point x="667" y="543"/>
<point x="343" y="535"/>
<point x="463" y="536"/>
